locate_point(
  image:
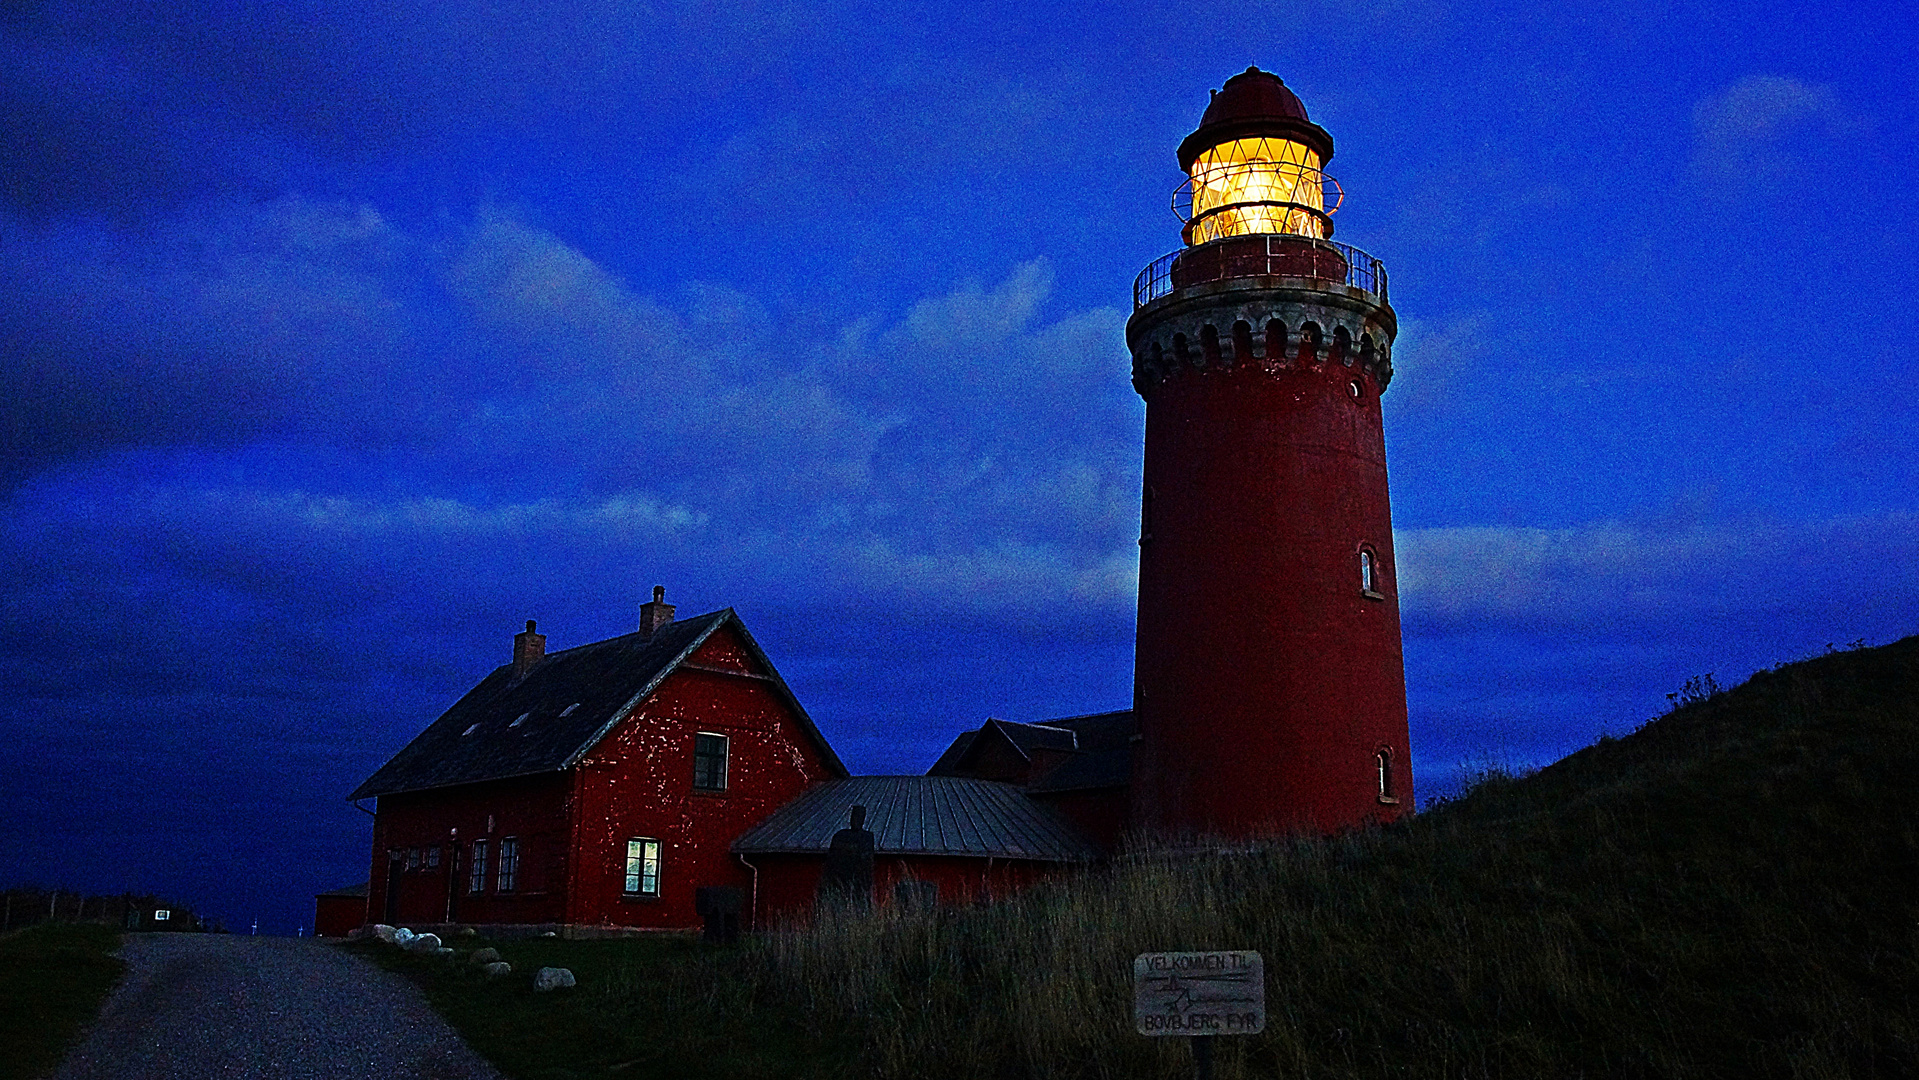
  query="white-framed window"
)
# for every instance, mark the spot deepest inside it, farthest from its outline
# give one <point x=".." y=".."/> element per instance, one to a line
<point x="1383" y="762"/>
<point x="509" y="874"/>
<point x="476" y="873"/>
<point x="433" y="857"/>
<point x="709" y="762"/>
<point x="642" y="867"/>
<point x="1369" y="574"/>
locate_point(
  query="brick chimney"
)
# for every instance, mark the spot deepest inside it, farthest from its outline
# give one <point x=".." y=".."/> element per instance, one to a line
<point x="528" y="648"/>
<point x="655" y="614"/>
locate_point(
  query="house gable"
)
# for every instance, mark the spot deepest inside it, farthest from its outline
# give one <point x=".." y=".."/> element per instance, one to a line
<point x="565" y="704"/>
<point x="637" y="784"/>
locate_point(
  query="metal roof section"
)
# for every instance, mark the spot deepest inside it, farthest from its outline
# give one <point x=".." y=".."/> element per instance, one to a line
<point x="922" y="815"/>
<point x="563" y="706"/>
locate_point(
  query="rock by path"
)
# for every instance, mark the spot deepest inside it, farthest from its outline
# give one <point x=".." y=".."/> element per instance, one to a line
<point x="199" y="1006"/>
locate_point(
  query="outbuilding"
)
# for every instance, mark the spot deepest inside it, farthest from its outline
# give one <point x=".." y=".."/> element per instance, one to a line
<point x="936" y="839"/>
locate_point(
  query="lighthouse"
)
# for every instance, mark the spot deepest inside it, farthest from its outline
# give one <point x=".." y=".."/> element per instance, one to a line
<point x="1269" y="683"/>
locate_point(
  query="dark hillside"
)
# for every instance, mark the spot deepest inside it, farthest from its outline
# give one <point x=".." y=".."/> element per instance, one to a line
<point x="1729" y="891"/>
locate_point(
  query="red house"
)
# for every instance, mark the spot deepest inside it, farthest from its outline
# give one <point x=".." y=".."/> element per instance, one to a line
<point x="594" y="788"/>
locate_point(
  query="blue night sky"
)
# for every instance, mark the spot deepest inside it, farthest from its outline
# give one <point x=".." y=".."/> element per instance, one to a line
<point x="341" y="339"/>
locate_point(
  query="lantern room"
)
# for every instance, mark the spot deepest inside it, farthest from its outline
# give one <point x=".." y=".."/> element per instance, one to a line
<point x="1254" y="166"/>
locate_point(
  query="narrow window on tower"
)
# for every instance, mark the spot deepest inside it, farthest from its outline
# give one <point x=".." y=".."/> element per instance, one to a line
<point x="709" y="762"/>
<point x="1369" y="575"/>
<point x="1146" y="515"/>
<point x="642" y="867"/>
<point x="1383" y="761"/>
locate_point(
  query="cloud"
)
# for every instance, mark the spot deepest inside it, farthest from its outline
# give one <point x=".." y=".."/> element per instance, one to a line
<point x="531" y="404"/>
<point x="1768" y="131"/>
<point x="1610" y="576"/>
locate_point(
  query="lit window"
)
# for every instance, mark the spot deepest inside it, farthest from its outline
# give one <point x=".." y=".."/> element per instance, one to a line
<point x="476" y="873"/>
<point x="509" y="863"/>
<point x="642" y="867"/>
<point x="709" y="762"/>
<point x="1383" y="761"/>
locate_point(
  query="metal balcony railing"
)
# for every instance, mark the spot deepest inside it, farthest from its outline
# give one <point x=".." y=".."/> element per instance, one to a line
<point x="1282" y="255"/>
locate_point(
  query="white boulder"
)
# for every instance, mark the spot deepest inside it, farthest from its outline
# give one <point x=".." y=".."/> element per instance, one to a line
<point x="498" y="968"/>
<point x="552" y="978"/>
<point x="384" y="932"/>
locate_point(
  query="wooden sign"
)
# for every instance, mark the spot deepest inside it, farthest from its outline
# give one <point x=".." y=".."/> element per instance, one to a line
<point x="1199" y="993"/>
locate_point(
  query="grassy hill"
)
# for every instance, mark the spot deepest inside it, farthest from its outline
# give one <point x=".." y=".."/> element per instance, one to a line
<point x="1730" y="891"/>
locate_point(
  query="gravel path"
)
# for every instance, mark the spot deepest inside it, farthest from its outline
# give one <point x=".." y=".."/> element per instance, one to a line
<point x="195" y="1006"/>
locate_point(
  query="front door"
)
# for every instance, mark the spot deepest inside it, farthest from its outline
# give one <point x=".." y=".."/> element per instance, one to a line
<point x="453" y="882"/>
<point x="394" y="865"/>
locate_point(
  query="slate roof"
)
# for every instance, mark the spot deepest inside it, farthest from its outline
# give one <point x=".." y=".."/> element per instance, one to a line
<point x="1082" y="772"/>
<point x="1099" y="731"/>
<point x="1031" y="737"/>
<point x="950" y="759"/>
<point x="1099" y="747"/>
<point x="560" y="710"/>
<point x="921" y="815"/>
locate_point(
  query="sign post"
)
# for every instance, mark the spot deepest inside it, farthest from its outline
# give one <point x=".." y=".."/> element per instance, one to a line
<point x="1199" y="995"/>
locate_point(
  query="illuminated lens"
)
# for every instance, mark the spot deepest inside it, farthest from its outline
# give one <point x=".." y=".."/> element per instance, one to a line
<point x="1262" y="185"/>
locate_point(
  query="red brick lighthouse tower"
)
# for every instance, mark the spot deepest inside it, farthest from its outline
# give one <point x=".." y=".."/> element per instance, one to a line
<point x="1270" y="690"/>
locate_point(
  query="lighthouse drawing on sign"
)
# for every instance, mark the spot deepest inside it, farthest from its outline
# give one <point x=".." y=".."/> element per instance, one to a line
<point x="1269" y="683"/>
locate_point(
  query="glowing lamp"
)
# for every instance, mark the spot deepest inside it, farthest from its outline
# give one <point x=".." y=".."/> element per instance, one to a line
<point x="1254" y="166"/>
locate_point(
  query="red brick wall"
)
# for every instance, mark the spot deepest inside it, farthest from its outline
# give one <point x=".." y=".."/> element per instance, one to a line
<point x="1100" y="815"/>
<point x="1265" y="680"/>
<point x="533" y="809"/>
<point x="336" y="916"/>
<point x="639" y="783"/>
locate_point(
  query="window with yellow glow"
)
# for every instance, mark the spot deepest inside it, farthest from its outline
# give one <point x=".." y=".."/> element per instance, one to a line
<point x="1263" y="185"/>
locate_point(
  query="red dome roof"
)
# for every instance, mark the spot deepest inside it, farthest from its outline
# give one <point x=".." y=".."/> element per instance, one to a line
<point x="1251" y="104"/>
